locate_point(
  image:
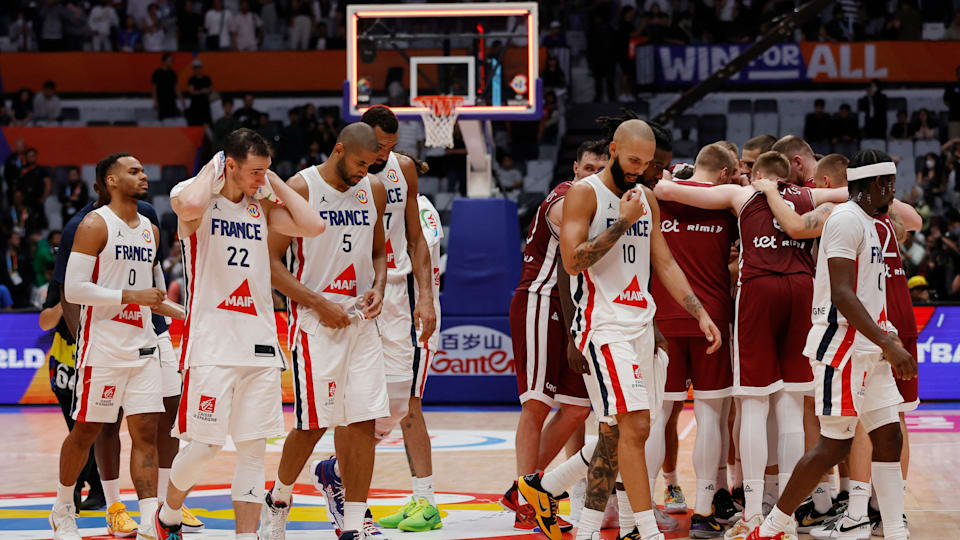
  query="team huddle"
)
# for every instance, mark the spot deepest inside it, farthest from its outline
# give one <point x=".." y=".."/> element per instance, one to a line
<point x="356" y="252"/>
<point x="771" y="277"/>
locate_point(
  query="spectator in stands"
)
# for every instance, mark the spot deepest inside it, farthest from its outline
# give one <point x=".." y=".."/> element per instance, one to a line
<point x="51" y="15"/>
<point x="74" y="27"/>
<point x="939" y="264"/>
<point x="215" y="23"/>
<point x="270" y="18"/>
<point x="553" y="76"/>
<point x="5" y="118"/>
<point x="153" y="34"/>
<point x="874" y="107"/>
<point x="845" y="125"/>
<point x="918" y="290"/>
<point x="555" y="37"/>
<point x="44" y="256"/>
<point x="268" y="130"/>
<point x="13" y="164"/>
<point x="925" y="126"/>
<point x="36" y="185"/>
<point x="166" y="92"/>
<point x="245" y="29"/>
<point x="130" y="38"/>
<point x="931" y="180"/>
<point x="248" y="116"/>
<point x="907" y="23"/>
<point x="550" y="122"/>
<point x="951" y="98"/>
<point x="15" y="269"/>
<point x="22" y="34"/>
<point x="224" y="125"/>
<point x="293" y="139"/>
<point x="600" y="51"/>
<point x="301" y="24"/>
<point x="102" y="20"/>
<point x="74" y="195"/>
<point x="189" y="25"/>
<point x="46" y="104"/>
<point x="901" y="130"/>
<point x="314" y="156"/>
<point x="817" y="127"/>
<point x="23" y="107"/>
<point x="953" y="31"/>
<point x="199" y="88"/>
<point x="321" y="36"/>
<point x="509" y="177"/>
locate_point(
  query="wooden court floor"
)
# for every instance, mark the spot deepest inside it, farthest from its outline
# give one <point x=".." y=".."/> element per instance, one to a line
<point x="474" y="455"/>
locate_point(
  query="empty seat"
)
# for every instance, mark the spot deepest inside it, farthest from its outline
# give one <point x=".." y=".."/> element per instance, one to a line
<point x="711" y="128"/>
<point x="128" y="123"/>
<point x="906" y="177"/>
<point x="766" y="123"/>
<point x="765" y="106"/>
<point x="739" y="106"/>
<point x="70" y="113"/>
<point x="874" y="144"/>
<point x="738" y="127"/>
<point x="846" y="148"/>
<point x="926" y="146"/>
<point x="97" y="123"/>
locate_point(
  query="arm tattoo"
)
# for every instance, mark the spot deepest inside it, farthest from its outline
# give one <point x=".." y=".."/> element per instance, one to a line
<point x="815" y="219"/>
<point x="692" y="304"/>
<point x="604" y="466"/>
<point x="592" y="250"/>
<point x="899" y="229"/>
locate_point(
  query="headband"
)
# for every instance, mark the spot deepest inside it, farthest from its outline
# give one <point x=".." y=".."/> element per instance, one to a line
<point x="870" y="171"/>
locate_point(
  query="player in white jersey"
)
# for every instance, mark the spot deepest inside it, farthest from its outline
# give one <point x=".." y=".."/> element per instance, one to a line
<point x="110" y="276"/>
<point x="335" y="288"/>
<point x="609" y="238"/>
<point x="229" y="352"/>
<point x="852" y="347"/>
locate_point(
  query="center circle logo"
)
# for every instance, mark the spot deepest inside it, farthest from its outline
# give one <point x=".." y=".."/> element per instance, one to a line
<point x="253" y="210"/>
<point x="362" y="196"/>
<point x="146" y="237"/>
<point x="392" y="176"/>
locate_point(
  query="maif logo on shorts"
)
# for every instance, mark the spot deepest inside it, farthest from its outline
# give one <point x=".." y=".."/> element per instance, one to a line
<point x="108" y="392"/>
<point x="636" y="372"/>
<point x="331" y="389"/>
<point x="207" y="404"/>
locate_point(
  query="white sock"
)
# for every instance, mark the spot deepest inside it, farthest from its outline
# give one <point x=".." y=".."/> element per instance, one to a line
<point x="873" y="499"/>
<point x="626" y="513"/>
<point x="771" y="488"/>
<point x="859" y="496"/>
<point x="775" y="523"/>
<point x="845" y="484"/>
<point x="569" y="472"/>
<point x="646" y="523"/>
<point x="735" y="478"/>
<point x="148" y="508"/>
<point x="163" y="479"/>
<point x="754" y="412"/>
<point x="65" y="493"/>
<point x="111" y="491"/>
<point x="707" y="451"/>
<point x="670" y="478"/>
<point x="821" y="497"/>
<point x="832" y="481"/>
<point x="170" y="516"/>
<point x="888" y="481"/>
<point x="353" y="515"/>
<point x="245" y="536"/>
<point x="282" y="492"/>
<point x="653" y="484"/>
<point x="752" y="498"/>
<point x="590" y="521"/>
<point x="423" y="488"/>
<point x="705" y="492"/>
<point x="722" y="479"/>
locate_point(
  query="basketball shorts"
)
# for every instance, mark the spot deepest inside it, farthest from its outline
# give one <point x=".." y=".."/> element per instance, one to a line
<point x="405" y="354"/>
<point x="711" y="375"/>
<point x="909" y="390"/>
<point x="101" y="391"/>
<point x="850" y="384"/>
<point x="773" y="320"/>
<point x="338" y="375"/>
<point x="625" y="376"/>
<point x="243" y="401"/>
<point x="540" y="352"/>
<point x="170" y="382"/>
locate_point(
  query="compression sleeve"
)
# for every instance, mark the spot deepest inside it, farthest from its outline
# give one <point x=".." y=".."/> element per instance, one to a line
<point x="78" y="287"/>
<point x="158" y="279"/>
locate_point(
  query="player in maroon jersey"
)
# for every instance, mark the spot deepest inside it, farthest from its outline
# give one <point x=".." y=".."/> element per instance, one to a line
<point x="801" y="157"/>
<point x="539" y="319"/>
<point x="776" y="282"/>
<point x="700" y="242"/>
<point x="892" y="226"/>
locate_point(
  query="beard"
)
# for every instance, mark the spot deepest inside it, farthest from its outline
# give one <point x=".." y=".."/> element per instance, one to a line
<point x="345" y="174"/>
<point x="141" y="195"/>
<point x="620" y="176"/>
<point x="376" y="167"/>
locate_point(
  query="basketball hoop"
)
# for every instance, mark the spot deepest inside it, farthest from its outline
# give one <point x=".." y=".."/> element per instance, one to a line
<point x="439" y="114"/>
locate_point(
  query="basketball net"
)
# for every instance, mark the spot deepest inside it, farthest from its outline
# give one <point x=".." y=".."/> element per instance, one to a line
<point x="439" y="114"/>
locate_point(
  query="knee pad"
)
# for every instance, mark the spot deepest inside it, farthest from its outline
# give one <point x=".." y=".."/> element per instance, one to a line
<point x="876" y="418"/>
<point x="189" y="463"/>
<point x="840" y="428"/>
<point x="399" y="393"/>
<point x="249" y="475"/>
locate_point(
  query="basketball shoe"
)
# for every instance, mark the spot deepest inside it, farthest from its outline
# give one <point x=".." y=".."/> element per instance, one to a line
<point x="755" y="535"/>
<point x="743" y="527"/>
<point x="673" y="500"/>
<point x="525" y="517"/>
<point x="544" y="504"/>
<point x="807" y="517"/>
<point x="423" y="517"/>
<point x="273" y="518"/>
<point x="705" y="526"/>
<point x="845" y="528"/>
<point x="725" y="508"/>
<point x="63" y="521"/>
<point x="166" y="532"/>
<point x="119" y="522"/>
<point x="665" y="522"/>
<point x="393" y="520"/>
<point x="189" y="522"/>
<point x="326" y="479"/>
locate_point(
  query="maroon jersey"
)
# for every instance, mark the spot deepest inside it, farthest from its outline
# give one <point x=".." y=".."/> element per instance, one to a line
<point x="700" y="242"/>
<point x="899" y="306"/>
<point x="764" y="248"/>
<point x="542" y="252"/>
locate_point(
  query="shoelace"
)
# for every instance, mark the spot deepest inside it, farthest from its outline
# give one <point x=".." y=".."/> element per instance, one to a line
<point x="369" y="529"/>
<point x="69" y="525"/>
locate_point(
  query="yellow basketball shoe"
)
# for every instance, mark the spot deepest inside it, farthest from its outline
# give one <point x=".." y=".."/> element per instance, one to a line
<point x="189" y="522"/>
<point x="119" y="522"/>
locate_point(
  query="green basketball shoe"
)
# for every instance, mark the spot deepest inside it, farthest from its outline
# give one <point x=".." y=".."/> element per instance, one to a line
<point x="391" y="521"/>
<point x="423" y="517"/>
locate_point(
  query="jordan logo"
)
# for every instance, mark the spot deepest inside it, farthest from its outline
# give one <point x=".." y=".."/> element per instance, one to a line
<point x="130" y="314"/>
<point x="207" y="404"/>
<point x="391" y="259"/>
<point x="108" y="392"/>
<point x="632" y="296"/>
<point x="240" y="301"/>
<point x="345" y="283"/>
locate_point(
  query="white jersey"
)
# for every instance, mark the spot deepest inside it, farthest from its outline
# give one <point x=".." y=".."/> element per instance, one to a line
<point x="122" y="334"/>
<point x="230" y="320"/>
<point x="611" y="296"/>
<point x="337" y="264"/>
<point x="848" y="233"/>
<point x="433" y="235"/>
<point x="395" y="224"/>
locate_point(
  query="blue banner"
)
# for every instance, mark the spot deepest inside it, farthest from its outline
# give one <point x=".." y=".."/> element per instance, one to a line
<point x="938" y="352"/>
<point x="682" y="64"/>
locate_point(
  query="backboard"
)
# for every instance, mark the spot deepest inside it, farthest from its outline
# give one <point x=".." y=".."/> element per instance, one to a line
<point x="488" y="54"/>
